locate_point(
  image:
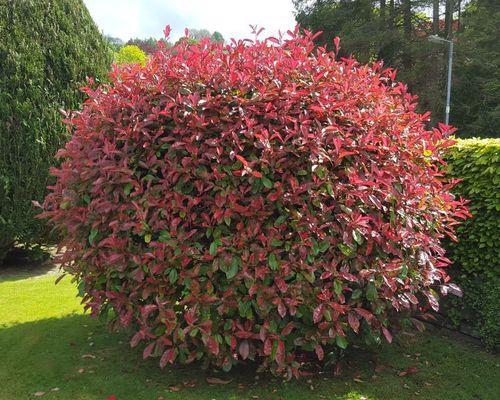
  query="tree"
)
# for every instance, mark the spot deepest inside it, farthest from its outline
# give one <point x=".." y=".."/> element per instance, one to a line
<point x="198" y="34"/>
<point x="148" y="46"/>
<point x="114" y="42"/>
<point x="217" y="37"/>
<point x="47" y="50"/>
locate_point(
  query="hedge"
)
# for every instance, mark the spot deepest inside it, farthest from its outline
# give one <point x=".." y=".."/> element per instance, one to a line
<point x="476" y="255"/>
<point x="47" y="49"/>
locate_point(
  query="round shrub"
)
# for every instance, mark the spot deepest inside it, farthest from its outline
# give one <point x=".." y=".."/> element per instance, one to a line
<point x="47" y="49"/>
<point x="253" y="201"/>
<point x="130" y="54"/>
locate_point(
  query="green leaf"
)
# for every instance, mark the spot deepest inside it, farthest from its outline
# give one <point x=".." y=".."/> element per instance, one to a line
<point x="233" y="269"/>
<point x="273" y="262"/>
<point x="164" y="236"/>
<point x="147" y="237"/>
<point x="309" y="276"/>
<point x="280" y="220"/>
<point x="341" y="341"/>
<point x="329" y="188"/>
<point x="337" y="287"/>
<point x="194" y="332"/>
<point x="267" y="182"/>
<point x="371" y="292"/>
<point x="276" y="243"/>
<point x="324" y="246"/>
<point x="213" y="248"/>
<point x="127" y="189"/>
<point x="92" y="236"/>
<point x="358" y="237"/>
<point x="81" y="288"/>
<point x="346" y="250"/>
<point x="172" y="276"/>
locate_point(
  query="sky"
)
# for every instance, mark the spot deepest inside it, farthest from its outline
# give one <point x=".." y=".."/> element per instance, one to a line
<point x="147" y="18"/>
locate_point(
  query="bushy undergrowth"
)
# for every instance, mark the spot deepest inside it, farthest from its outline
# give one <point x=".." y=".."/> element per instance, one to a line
<point x="253" y="201"/>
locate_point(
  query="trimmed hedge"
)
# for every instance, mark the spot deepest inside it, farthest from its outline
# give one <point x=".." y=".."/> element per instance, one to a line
<point x="477" y="253"/>
<point x="47" y="49"/>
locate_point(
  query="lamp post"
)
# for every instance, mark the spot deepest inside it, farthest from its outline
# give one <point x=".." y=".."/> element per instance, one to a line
<point x="437" y="39"/>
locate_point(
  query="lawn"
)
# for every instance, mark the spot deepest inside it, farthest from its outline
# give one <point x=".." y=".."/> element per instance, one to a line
<point x="49" y="346"/>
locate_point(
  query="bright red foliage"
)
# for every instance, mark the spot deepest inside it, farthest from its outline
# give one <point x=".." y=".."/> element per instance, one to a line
<point x="252" y="200"/>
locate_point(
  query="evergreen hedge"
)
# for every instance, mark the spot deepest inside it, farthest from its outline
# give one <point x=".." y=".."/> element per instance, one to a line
<point x="476" y="255"/>
<point x="47" y="49"/>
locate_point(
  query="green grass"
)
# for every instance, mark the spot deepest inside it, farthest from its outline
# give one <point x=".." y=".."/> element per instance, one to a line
<point x="47" y="342"/>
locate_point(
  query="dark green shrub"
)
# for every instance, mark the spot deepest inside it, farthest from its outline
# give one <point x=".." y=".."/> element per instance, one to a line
<point x="477" y="253"/>
<point x="47" y="49"/>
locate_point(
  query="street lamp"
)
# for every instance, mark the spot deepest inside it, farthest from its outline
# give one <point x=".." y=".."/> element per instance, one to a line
<point x="437" y="39"/>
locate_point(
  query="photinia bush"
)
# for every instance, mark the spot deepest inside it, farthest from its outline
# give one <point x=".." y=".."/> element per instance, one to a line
<point x="255" y="200"/>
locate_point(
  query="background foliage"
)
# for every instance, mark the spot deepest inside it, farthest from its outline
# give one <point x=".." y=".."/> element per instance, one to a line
<point x="396" y="32"/>
<point x="476" y="255"/>
<point x="47" y="49"/>
<point x="476" y="90"/>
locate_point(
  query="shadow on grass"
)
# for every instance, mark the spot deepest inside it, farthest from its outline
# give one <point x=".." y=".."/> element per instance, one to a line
<point x="24" y="263"/>
<point x="83" y="360"/>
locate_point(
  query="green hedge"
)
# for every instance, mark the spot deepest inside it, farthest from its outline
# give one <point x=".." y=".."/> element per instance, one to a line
<point x="47" y="49"/>
<point x="477" y="254"/>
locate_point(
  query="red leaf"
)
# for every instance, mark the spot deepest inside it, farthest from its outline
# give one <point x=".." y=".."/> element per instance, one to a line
<point x="242" y="160"/>
<point x="280" y="353"/>
<point x="148" y="350"/>
<point x="280" y="283"/>
<point x="167" y="357"/>
<point x="318" y="313"/>
<point x="136" y="339"/>
<point x="268" y="347"/>
<point x="353" y="322"/>
<point x="213" y="346"/>
<point x="387" y="334"/>
<point x="319" y="352"/>
<point x="281" y="309"/>
<point x="364" y="313"/>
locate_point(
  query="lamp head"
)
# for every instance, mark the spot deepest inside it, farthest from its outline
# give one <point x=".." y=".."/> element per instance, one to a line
<point x="436" y="39"/>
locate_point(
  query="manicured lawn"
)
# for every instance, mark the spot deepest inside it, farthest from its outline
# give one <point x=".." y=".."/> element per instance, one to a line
<point x="48" y="345"/>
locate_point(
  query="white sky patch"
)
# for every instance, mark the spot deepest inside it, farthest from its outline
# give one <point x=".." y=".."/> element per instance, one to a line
<point x="147" y="18"/>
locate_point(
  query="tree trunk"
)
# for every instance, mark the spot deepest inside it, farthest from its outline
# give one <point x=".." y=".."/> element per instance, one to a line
<point x="435" y="17"/>
<point x="448" y="19"/>
<point x="391" y="13"/>
<point x="382" y="13"/>
<point x="406" y="8"/>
